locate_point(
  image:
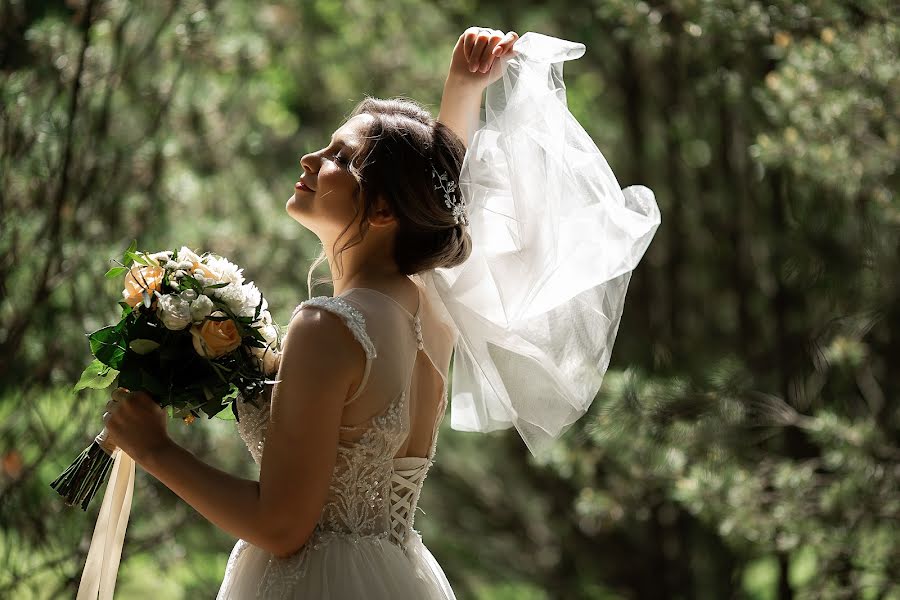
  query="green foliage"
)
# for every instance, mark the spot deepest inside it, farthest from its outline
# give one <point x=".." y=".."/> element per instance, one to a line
<point x="744" y="443"/>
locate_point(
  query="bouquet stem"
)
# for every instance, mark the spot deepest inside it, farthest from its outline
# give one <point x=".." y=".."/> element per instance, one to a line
<point x="80" y="481"/>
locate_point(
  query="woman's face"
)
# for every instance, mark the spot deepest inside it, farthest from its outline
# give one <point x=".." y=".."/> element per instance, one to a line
<point x="323" y="199"/>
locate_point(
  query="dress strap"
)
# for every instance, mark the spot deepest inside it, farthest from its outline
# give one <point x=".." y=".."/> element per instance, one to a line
<point x="355" y="322"/>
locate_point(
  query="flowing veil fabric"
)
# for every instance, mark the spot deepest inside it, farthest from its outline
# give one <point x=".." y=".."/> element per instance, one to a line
<point x="555" y="239"/>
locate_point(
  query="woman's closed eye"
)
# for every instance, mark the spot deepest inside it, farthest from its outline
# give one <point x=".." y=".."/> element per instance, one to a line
<point x="339" y="159"/>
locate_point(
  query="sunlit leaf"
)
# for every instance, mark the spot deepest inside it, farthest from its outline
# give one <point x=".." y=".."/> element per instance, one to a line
<point x="97" y="376"/>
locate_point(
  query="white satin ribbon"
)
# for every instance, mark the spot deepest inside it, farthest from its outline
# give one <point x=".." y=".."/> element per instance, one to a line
<point x="98" y="581"/>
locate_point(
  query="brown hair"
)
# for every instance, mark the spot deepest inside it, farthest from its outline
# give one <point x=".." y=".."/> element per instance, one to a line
<point x="394" y="160"/>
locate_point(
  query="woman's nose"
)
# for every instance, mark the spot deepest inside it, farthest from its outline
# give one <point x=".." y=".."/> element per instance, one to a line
<point x="308" y="161"/>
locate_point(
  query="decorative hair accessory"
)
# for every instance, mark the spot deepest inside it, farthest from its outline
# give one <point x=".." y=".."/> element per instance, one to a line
<point x="452" y="198"/>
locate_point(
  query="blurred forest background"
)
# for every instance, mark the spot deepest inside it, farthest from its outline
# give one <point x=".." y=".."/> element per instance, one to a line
<point x="746" y="440"/>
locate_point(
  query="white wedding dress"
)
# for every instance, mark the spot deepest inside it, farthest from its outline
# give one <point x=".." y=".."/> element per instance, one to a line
<point x="532" y="315"/>
<point x="364" y="544"/>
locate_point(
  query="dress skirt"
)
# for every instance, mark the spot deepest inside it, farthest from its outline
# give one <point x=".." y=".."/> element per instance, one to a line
<point x="337" y="566"/>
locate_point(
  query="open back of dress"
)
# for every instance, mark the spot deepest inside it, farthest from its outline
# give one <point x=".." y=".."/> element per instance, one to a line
<point x="387" y="441"/>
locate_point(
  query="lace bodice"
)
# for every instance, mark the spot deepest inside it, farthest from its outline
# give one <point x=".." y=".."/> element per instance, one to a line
<point x="373" y="492"/>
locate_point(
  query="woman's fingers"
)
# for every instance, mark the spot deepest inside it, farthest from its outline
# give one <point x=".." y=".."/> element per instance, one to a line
<point x="482" y="45"/>
<point x="487" y="58"/>
<point x="505" y="44"/>
<point x="477" y="50"/>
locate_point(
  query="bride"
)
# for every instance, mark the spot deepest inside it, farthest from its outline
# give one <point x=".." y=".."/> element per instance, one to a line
<point x="445" y="238"/>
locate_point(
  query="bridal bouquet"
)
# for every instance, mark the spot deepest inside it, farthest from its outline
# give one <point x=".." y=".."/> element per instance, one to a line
<point x="192" y="334"/>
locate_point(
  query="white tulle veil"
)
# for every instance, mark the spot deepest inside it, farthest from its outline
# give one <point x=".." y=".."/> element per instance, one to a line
<point x="538" y="303"/>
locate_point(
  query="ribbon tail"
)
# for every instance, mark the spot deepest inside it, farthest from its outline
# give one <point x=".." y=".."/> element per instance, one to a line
<point x="98" y="581"/>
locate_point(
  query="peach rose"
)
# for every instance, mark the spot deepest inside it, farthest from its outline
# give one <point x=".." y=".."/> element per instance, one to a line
<point x="215" y="338"/>
<point x="141" y="278"/>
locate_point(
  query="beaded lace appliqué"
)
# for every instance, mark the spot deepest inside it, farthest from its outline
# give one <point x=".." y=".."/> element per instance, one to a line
<point x="354" y="319"/>
<point x="368" y="502"/>
<point x="359" y="500"/>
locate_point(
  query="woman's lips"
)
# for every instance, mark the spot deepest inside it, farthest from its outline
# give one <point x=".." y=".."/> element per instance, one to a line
<point x="303" y="187"/>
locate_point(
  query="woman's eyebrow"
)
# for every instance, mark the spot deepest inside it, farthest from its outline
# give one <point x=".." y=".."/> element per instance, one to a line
<point x="341" y="142"/>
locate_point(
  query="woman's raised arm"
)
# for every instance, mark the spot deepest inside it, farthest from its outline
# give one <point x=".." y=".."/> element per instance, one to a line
<point x="470" y="73"/>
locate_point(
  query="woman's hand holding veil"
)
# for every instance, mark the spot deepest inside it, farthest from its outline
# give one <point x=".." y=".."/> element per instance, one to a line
<point x="471" y="71"/>
<point x="475" y="53"/>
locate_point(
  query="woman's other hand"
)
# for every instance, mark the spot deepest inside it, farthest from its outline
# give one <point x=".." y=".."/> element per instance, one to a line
<point x="475" y="53"/>
<point x="136" y="423"/>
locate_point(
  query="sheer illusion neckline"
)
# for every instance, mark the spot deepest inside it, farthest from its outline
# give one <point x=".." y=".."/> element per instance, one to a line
<point x="397" y="304"/>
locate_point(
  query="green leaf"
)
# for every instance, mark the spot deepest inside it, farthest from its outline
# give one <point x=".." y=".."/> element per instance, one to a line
<point x="189" y="281"/>
<point x="232" y="394"/>
<point x="142" y="346"/>
<point x="108" y="345"/>
<point x="137" y="258"/>
<point x="256" y="334"/>
<point x="96" y="376"/>
<point x="226" y="414"/>
<point x="130" y="250"/>
<point x="217" y="286"/>
<point x="126" y="309"/>
<point x="115" y="272"/>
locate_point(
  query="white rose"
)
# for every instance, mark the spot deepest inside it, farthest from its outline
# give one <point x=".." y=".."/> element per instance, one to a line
<point x="201" y="308"/>
<point x="270" y="333"/>
<point x="174" y="312"/>
<point x="188" y="295"/>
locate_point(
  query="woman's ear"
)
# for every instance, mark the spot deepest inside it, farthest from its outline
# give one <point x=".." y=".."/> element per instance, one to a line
<point x="382" y="216"/>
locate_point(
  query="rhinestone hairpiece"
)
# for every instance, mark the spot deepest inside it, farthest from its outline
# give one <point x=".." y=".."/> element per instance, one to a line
<point x="452" y="198"/>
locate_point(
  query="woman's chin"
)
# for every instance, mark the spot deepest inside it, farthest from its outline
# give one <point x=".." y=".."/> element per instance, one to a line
<point x="292" y="207"/>
<point x="293" y="204"/>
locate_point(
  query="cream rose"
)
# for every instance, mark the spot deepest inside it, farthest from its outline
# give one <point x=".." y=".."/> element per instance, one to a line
<point x="140" y="278"/>
<point x="271" y="362"/>
<point x="269" y="358"/>
<point x="215" y="338"/>
<point x="174" y="312"/>
<point x="201" y="308"/>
